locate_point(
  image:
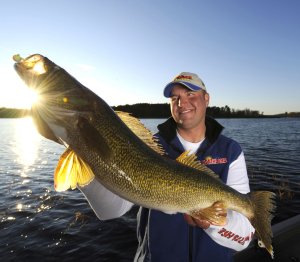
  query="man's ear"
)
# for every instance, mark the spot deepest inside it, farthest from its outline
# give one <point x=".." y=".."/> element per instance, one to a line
<point x="207" y="97"/>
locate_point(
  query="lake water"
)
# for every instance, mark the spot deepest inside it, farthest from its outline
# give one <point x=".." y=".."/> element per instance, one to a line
<point x="37" y="223"/>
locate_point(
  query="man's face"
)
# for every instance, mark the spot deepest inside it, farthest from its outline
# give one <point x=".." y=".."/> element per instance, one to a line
<point x="188" y="107"/>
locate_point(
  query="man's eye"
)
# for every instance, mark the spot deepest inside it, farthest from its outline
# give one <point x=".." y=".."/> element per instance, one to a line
<point x="174" y="99"/>
<point x="190" y="93"/>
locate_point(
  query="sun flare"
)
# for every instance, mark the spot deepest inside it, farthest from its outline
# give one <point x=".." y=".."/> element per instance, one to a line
<point x="15" y="93"/>
<point x="25" y="98"/>
<point x="31" y="97"/>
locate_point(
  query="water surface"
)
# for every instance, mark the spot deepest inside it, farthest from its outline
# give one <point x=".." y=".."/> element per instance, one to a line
<point x="37" y="223"/>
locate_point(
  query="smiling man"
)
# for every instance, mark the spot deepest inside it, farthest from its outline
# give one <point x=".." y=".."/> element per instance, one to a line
<point x="179" y="237"/>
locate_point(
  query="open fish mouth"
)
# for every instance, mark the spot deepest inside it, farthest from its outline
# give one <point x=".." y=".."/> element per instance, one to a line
<point x="34" y="62"/>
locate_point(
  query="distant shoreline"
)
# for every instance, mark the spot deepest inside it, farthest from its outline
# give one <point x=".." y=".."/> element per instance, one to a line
<point x="13" y="112"/>
<point x="145" y="110"/>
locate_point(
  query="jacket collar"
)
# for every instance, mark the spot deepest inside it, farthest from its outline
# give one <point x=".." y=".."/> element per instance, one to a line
<point x="213" y="129"/>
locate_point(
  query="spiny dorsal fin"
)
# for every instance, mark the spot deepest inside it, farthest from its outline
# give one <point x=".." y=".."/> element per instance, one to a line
<point x="141" y="131"/>
<point x="191" y="161"/>
<point x="70" y="171"/>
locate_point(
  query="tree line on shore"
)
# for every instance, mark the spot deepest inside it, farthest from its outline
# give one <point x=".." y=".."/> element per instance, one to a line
<point x="13" y="112"/>
<point x="146" y="110"/>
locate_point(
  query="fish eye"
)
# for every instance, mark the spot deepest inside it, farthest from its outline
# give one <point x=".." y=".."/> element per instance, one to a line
<point x="31" y="61"/>
<point x="33" y="58"/>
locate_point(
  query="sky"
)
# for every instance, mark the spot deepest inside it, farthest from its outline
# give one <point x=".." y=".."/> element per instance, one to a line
<point x="126" y="51"/>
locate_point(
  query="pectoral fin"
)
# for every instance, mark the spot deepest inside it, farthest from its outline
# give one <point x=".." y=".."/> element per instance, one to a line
<point x="70" y="171"/>
<point x="215" y="214"/>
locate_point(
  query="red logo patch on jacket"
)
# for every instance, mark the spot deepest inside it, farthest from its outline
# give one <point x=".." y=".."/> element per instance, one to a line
<point x="214" y="161"/>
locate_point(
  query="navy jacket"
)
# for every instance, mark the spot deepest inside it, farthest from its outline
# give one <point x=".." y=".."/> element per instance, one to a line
<point x="164" y="237"/>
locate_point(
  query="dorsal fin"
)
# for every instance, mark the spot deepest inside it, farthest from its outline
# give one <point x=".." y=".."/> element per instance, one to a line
<point x="70" y="171"/>
<point x="191" y="161"/>
<point x="140" y="130"/>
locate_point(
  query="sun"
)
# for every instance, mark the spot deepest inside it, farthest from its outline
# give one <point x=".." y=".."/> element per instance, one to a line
<point x="15" y="93"/>
<point x="24" y="98"/>
<point x="30" y="97"/>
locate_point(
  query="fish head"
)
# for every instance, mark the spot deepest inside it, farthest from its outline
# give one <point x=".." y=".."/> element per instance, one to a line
<point x="52" y="83"/>
<point x="31" y="69"/>
<point x="62" y="100"/>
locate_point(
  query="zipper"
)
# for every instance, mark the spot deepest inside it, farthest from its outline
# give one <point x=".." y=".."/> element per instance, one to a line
<point x="191" y="242"/>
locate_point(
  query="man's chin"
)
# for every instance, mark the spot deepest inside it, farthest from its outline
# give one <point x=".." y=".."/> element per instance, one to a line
<point x="185" y="122"/>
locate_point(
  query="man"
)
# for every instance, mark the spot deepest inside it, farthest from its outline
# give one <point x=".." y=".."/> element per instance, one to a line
<point x="179" y="237"/>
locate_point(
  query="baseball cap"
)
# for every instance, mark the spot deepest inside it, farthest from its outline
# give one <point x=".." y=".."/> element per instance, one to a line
<point x="189" y="80"/>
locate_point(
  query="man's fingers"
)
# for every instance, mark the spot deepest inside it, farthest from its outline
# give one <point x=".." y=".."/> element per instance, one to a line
<point x="189" y="220"/>
<point x="204" y="224"/>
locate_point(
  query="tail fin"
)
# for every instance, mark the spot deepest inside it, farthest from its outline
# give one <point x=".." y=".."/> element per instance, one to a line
<point x="264" y="207"/>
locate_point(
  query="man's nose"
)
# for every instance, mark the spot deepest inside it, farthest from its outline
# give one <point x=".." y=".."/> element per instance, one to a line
<point x="182" y="101"/>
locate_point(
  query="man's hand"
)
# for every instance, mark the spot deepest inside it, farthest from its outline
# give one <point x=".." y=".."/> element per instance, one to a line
<point x="202" y="223"/>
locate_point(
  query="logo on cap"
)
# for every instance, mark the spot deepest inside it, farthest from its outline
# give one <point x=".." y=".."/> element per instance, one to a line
<point x="183" y="77"/>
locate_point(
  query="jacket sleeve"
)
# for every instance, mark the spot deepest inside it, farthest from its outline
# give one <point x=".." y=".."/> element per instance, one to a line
<point x="238" y="232"/>
<point x="105" y="204"/>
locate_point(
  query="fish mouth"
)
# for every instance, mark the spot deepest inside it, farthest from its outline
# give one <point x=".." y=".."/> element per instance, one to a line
<point x="19" y="69"/>
<point x="28" y="62"/>
<point x="33" y="65"/>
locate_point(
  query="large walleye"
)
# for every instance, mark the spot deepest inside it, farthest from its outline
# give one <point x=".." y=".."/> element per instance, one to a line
<point x="126" y="160"/>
